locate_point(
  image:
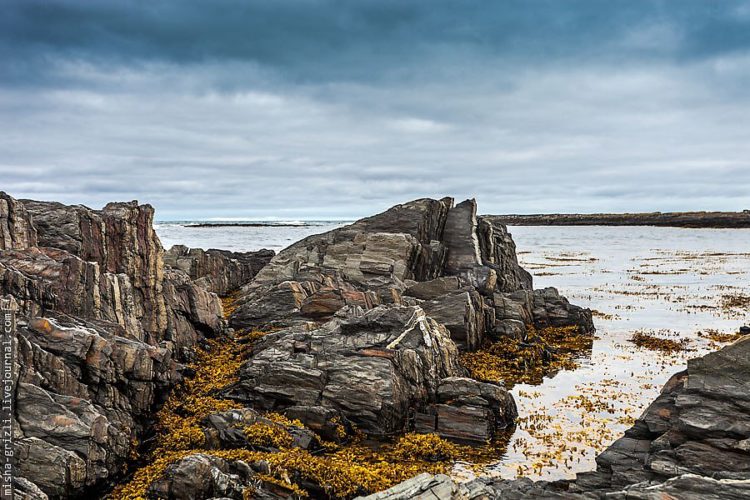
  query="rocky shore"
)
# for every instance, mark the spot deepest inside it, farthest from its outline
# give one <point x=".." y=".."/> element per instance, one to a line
<point x="349" y="362"/>
<point x="663" y="219"/>
<point x="692" y="442"/>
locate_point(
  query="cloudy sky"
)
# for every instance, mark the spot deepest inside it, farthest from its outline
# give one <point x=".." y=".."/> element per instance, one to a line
<point x="323" y="109"/>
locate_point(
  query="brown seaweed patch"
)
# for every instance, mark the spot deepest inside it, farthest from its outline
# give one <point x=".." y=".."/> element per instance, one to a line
<point x="652" y="342"/>
<point x="541" y="353"/>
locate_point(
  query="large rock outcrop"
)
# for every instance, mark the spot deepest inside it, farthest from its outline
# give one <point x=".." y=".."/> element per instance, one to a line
<point x="103" y="327"/>
<point x="373" y="369"/>
<point x="341" y="298"/>
<point x="460" y="268"/>
<point x="692" y="442"/>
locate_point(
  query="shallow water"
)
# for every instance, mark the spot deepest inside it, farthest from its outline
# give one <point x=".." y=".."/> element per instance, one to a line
<point x="670" y="282"/>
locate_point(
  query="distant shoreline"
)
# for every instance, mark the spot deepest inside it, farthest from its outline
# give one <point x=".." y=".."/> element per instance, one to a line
<point x="246" y="224"/>
<point x="708" y="220"/>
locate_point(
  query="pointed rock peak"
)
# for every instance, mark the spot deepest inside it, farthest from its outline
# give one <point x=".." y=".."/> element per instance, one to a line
<point x="460" y="238"/>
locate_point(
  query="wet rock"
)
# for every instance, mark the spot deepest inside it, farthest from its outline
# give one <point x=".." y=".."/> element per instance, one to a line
<point x="467" y="410"/>
<point x="227" y="430"/>
<point x="695" y="426"/>
<point x="206" y="476"/>
<point x="217" y="271"/>
<point x="372" y="368"/>
<point x="552" y="309"/>
<point x="422" y="487"/>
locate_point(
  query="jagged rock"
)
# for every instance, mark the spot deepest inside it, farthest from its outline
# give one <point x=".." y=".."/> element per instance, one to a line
<point x="23" y="489"/>
<point x="205" y="476"/>
<point x="373" y="368"/>
<point x="119" y="238"/>
<point x="193" y="312"/>
<point x="468" y="410"/>
<point x="82" y="391"/>
<point x="460" y="238"/>
<point x="696" y="426"/>
<point x="99" y="328"/>
<point x="373" y="255"/>
<point x="422" y="487"/>
<point x="552" y="309"/>
<point x="498" y="251"/>
<point x="459" y="268"/>
<point x="218" y="271"/>
<point x="690" y="443"/>
<point x="16" y="229"/>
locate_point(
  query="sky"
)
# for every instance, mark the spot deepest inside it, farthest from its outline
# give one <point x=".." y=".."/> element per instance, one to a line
<point x="316" y="109"/>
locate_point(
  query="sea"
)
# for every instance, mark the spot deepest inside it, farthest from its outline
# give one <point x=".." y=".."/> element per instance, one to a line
<point x="691" y="286"/>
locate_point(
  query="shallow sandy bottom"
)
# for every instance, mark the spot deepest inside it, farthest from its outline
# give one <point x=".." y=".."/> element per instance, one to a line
<point x="672" y="283"/>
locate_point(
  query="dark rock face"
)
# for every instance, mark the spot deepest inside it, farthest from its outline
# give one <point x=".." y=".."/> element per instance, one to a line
<point x="692" y="442"/>
<point x="468" y="410"/>
<point x="205" y="476"/>
<point x="366" y="283"/>
<point x="461" y="269"/>
<point x="217" y="271"/>
<point x="102" y="329"/>
<point x="371" y="369"/>
<point x="82" y="390"/>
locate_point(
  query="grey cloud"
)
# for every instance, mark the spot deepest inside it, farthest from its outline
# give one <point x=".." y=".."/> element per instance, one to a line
<point x="339" y="109"/>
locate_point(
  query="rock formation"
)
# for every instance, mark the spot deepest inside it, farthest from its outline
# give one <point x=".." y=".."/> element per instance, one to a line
<point x="366" y="325"/>
<point x="397" y="295"/>
<point x="460" y="269"/>
<point x="103" y="327"/>
<point x="218" y="271"/>
<point x="692" y="442"/>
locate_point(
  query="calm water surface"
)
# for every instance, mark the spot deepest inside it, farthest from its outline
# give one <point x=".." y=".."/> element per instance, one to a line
<point x="673" y="283"/>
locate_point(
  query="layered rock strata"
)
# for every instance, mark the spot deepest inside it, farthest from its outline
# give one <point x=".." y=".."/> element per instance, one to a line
<point x="102" y="330"/>
<point x="218" y="271"/>
<point x="372" y="316"/>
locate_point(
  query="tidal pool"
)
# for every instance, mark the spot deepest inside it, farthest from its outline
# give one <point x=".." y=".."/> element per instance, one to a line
<point x="687" y="285"/>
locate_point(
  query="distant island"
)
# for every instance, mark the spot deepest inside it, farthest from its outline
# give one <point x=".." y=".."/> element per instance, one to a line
<point x="665" y="219"/>
<point x="248" y="224"/>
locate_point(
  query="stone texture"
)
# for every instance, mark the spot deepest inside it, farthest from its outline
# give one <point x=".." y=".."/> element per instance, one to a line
<point x="459" y="268"/>
<point x="217" y="271"/>
<point x="82" y="391"/>
<point x="120" y="239"/>
<point x="373" y="369"/>
<point x="101" y="331"/>
<point x="205" y="476"/>
<point x="16" y="229"/>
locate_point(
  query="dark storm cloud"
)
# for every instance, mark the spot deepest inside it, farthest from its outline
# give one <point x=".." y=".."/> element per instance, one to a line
<point x="313" y="108"/>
